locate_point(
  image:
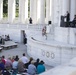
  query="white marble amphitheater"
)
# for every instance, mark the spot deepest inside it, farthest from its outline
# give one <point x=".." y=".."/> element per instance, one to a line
<point x="60" y="46"/>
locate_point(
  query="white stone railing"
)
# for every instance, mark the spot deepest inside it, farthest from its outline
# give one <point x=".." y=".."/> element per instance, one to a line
<point x="51" y="52"/>
<point x="23" y="26"/>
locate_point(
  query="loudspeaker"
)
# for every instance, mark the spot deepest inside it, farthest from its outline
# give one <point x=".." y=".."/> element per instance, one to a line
<point x="49" y="22"/>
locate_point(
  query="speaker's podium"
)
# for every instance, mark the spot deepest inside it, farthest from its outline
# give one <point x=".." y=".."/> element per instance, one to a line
<point x="62" y="22"/>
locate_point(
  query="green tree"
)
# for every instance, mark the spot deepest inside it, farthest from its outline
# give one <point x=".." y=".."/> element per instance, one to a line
<point x="17" y="8"/>
<point x="5" y="7"/>
<point x="28" y="8"/>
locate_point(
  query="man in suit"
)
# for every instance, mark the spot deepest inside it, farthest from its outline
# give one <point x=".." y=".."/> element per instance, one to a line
<point x="67" y="19"/>
<point x="74" y="21"/>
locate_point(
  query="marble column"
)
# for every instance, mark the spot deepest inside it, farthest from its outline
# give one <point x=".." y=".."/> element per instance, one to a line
<point x="38" y="11"/>
<point x="26" y="11"/>
<point x="72" y="9"/>
<point x="11" y="11"/>
<point x="55" y="12"/>
<point x="48" y="12"/>
<point x="1" y="9"/>
<point x="65" y="7"/>
<point x="23" y="11"/>
<point x="33" y="10"/>
<point x="51" y="8"/>
<point x="41" y="11"/>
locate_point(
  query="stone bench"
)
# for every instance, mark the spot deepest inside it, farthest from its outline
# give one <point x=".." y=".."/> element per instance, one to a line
<point x="9" y="45"/>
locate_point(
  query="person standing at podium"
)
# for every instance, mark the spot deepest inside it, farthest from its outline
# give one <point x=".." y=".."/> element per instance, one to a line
<point x="67" y="19"/>
<point x="74" y="21"/>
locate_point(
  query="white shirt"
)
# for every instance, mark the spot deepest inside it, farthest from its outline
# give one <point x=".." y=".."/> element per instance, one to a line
<point x="24" y="59"/>
<point x="14" y="64"/>
<point x="47" y="28"/>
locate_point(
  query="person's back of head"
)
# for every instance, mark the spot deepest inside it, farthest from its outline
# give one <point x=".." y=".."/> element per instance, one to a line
<point x="31" y="58"/>
<point x="32" y="62"/>
<point x="38" y="60"/>
<point x="42" y="62"/>
<point x="16" y="58"/>
<point x="23" y="54"/>
<point x="3" y="56"/>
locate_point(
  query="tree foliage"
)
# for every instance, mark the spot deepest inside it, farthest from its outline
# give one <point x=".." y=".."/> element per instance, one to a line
<point x="5" y="6"/>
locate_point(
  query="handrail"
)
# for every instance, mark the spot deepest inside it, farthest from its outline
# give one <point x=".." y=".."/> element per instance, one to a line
<point x="23" y="26"/>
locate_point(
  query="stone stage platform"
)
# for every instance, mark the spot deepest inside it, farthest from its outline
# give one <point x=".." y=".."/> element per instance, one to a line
<point x="52" y="51"/>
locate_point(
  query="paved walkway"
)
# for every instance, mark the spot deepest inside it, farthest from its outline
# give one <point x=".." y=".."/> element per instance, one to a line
<point x="17" y="51"/>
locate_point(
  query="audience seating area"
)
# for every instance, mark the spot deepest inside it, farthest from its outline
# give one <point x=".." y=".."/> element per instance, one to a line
<point x="21" y="66"/>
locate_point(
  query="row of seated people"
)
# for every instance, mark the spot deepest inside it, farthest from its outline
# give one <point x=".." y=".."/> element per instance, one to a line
<point x="4" y="38"/>
<point x="21" y="65"/>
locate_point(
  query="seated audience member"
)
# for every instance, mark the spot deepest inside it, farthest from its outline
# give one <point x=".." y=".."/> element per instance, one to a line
<point x="15" y="64"/>
<point x="37" y="62"/>
<point x="1" y="64"/>
<point x="6" y="72"/>
<point x="74" y="21"/>
<point x="40" y="67"/>
<point x="31" y="69"/>
<point x="3" y="59"/>
<point x="13" y="58"/>
<point x="3" y="39"/>
<point x="24" y="59"/>
<point x="27" y="64"/>
<point x="15" y="67"/>
<point x="8" y="64"/>
<point x="8" y="37"/>
<point x="20" y="66"/>
<point x="17" y="58"/>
